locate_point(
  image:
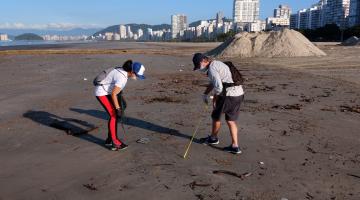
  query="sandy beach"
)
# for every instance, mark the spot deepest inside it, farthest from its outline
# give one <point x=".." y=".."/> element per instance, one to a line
<point x="299" y="126"/>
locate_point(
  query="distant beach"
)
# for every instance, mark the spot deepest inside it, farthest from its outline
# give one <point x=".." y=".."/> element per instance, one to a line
<point x="38" y="42"/>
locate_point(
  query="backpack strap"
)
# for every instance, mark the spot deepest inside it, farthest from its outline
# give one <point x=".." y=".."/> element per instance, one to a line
<point x="117" y="69"/>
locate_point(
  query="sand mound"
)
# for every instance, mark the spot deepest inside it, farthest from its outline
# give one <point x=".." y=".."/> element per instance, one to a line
<point x="285" y="43"/>
<point x="352" y="41"/>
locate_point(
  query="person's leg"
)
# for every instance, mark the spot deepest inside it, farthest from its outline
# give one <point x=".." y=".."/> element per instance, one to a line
<point x="233" y="132"/>
<point x="232" y="110"/>
<point x="216" y="117"/>
<point x="112" y="124"/>
<point x="216" y="125"/>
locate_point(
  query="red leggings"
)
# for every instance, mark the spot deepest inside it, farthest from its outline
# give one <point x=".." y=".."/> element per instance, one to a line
<point x="108" y="105"/>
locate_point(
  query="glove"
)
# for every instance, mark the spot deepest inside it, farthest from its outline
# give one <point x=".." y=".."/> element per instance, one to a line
<point x="205" y="98"/>
<point x="119" y="113"/>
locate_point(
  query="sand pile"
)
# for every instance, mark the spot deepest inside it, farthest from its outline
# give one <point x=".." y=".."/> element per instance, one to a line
<point x="285" y="43"/>
<point x="352" y="41"/>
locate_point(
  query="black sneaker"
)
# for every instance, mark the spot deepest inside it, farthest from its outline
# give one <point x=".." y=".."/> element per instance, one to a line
<point x="119" y="148"/>
<point x="233" y="150"/>
<point x="210" y="140"/>
<point x="108" y="142"/>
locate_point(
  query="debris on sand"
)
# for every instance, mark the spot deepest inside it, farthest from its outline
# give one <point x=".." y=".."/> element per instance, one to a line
<point x="163" y="164"/>
<point x="307" y="99"/>
<point x="91" y="187"/>
<point x="195" y="184"/>
<point x="251" y="101"/>
<point x="165" y="99"/>
<point x="355" y="109"/>
<point x="353" y="175"/>
<point x="266" y="88"/>
<point x="329" y="109"/>
<point x="288" y="107"/>
<point x="241" y="176"/>
<point x="285" y="133"/>
<point x="311" y="150"/>
<point x="352" y="41"/>
<point x="284" y="43"/>
<point x="143" y="141"/>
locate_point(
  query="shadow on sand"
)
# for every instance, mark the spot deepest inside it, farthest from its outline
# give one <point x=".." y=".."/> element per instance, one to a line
<point x="130" y="121"/>
<point x="74" y="127"/>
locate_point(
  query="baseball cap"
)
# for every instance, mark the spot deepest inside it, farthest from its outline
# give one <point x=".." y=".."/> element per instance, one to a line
<point x="198" y="57"/>
<point x="139" y="70"/>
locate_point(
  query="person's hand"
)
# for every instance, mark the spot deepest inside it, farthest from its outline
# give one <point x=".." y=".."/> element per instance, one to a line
<point x="214" y="101"/>
<point x="205" y="98"/>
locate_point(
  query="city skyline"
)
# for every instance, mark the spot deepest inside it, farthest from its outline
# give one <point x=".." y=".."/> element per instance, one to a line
<point x="73" y="15"/>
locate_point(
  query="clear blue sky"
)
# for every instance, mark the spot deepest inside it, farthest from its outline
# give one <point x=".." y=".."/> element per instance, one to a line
<point x="109" y="12"/>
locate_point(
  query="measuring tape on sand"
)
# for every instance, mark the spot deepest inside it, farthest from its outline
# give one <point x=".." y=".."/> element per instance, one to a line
<point x="206" y="108"/>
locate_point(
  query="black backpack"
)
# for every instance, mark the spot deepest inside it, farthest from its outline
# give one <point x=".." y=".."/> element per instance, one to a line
<point x="235" y="74"/>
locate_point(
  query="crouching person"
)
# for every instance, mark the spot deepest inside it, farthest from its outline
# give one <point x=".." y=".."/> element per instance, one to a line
<point x="226" y="82"/>
<point x="108" y="91"/>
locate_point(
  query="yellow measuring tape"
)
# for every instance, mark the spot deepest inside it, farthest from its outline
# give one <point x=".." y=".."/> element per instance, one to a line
<point x="193" y="136"/>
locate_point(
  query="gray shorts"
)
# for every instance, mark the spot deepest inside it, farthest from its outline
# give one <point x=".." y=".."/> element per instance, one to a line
<point x="230" y="106"/>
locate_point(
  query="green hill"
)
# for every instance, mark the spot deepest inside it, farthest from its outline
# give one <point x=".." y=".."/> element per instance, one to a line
<point x="28" y="36"/>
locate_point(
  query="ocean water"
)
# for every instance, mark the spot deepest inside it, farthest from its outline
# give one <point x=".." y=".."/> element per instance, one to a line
<point x="36" y="42"/>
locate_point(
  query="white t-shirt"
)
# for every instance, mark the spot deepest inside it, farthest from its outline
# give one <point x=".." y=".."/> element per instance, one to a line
<point x="117" y="77"/>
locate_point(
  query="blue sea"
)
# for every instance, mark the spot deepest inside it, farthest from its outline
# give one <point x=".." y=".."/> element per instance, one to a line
<point x="36" y="42"/>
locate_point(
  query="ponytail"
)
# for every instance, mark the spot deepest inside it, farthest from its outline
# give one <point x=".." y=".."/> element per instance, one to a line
<point x="127" y="66"/>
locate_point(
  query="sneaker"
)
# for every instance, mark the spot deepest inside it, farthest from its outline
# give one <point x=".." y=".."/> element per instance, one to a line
<point x="233" y="150"/>
<point x="119" y="148"/>
<point x="210" y="140"/>
<point x="108" y="142"/>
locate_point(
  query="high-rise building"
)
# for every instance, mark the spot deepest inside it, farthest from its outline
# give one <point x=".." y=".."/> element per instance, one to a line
<point x="294" y="19"/>
<point x="281" y="18"/>
<point x="109" y="36"/>
<point x="354" y="16"/>
<point x="246" y="15"/>
<point x="310" y="18"/>
<point x="219" y="19"/>
<point x="178" y="25"/>
<point x="322" y="13"/>
<point x="129" y="33"/>
<point x="116" y="36"/>
<point x="336" y="12"/>
<point x="3" y="37"/>
<point x="283" y="11"/>
<point x="122" y="32"/>
<point x="246" y="11"/>
<point x="148" y="35"/>
<point x="273" y="22"/>
<point x="140" y="34"/>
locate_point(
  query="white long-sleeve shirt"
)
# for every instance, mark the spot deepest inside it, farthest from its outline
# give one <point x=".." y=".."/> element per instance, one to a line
<point x="220" y="73"/>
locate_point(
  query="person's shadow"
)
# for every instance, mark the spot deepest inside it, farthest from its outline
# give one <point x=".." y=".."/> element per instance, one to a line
<point x="74" y="127"/>
<point x="130" y="121"/>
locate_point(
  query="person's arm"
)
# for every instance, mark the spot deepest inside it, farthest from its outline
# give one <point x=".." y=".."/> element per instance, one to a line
<point x="114" y="97"/>
<point x="209" y="88"/>
<point x="215" y="79"/>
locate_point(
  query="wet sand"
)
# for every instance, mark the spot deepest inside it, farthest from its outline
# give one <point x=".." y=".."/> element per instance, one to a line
<point x="300" y="118"/>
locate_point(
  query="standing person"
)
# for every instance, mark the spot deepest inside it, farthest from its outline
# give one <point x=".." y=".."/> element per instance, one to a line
<point x="227" y="99"/>
<point x="109" y="94"/>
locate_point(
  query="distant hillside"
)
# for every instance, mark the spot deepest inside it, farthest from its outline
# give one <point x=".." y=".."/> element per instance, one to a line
<point x="134" y="28"/>
<point x="28" y="36"/>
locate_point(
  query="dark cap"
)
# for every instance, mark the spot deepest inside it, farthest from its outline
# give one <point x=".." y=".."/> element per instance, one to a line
<point x="198" y="57"/>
